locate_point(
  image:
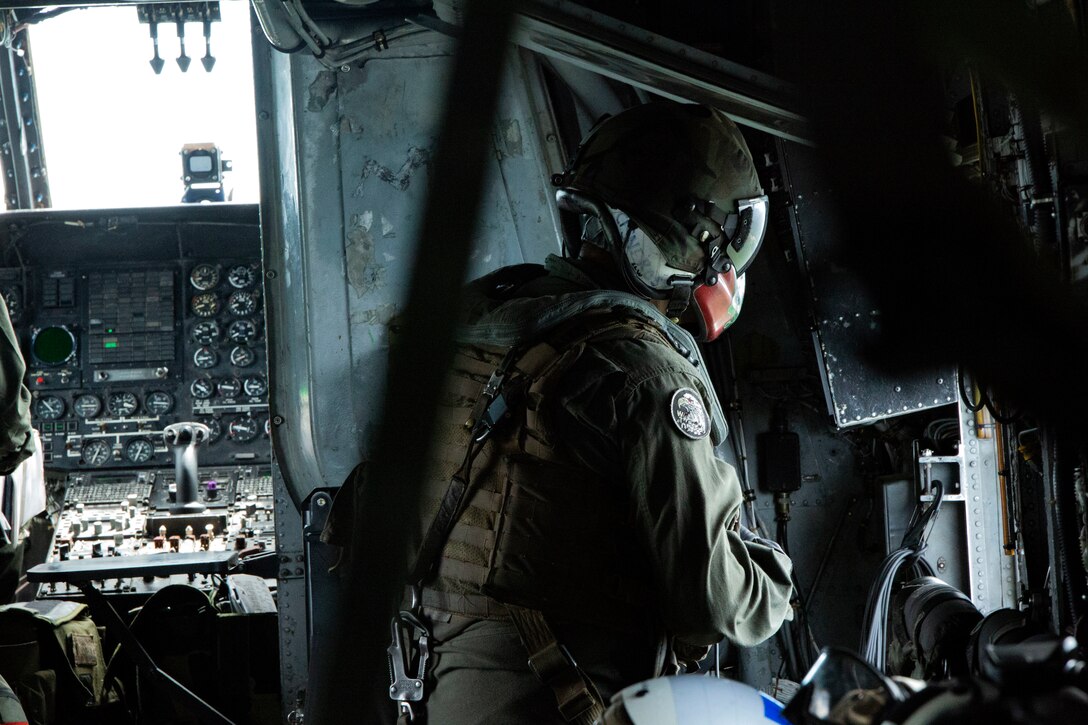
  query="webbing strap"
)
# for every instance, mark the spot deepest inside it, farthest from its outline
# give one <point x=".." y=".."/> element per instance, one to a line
<point x="467" y="604"/>
<point x="438" y="533"/>
<point x="442" y="523"/>
<point x="577" y="698"/>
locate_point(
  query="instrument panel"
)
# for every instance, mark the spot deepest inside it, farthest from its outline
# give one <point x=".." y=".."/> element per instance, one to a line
<point x="130" y="321"/>
<point x="116" y="352"/>
<point x="122" y="513"/>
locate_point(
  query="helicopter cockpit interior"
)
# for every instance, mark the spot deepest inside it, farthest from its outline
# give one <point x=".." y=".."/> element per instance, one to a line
<point x="232" y="281"/>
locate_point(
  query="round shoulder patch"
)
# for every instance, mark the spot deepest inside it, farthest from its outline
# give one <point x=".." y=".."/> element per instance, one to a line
<point x="688" y="413"/>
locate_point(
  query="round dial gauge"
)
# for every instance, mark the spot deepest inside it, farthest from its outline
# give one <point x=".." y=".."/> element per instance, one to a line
<point x="243" y="429"/>
<point x="205" y="305"/>
<point x="268" y="427"/>
<point x="159" y="402"/>
<point x="97" y="452"/>
<point x="205" y="357"/>
<point x="215" y="430"/>
<point x="54" y="345"/>
<point x="139" y="450"/>
<point x="242" y="356"/>
<point x="206" y="332"/>
<point x="230" y="388"/>
<point x="49" y="407"/>
<point x="202" y="388"/>
<point x="87" y="406"/>
<point x="242" y="303"/>
<point x="204" y="277"/>
<point x="241" y="276"/>
<point x="242" y="331"/>
<point x="122" y="405"/>
<point x="255" y="385"/>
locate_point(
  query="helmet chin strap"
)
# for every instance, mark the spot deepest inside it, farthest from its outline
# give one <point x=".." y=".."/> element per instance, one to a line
<point x="680" y="299"/>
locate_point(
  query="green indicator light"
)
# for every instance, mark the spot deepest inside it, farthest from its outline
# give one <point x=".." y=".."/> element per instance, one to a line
<point x="109" y="330"/>
<point x="111" y="345"/>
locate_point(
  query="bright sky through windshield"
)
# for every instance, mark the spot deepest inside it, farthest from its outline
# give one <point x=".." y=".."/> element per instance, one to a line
<point x="112" y="129"/>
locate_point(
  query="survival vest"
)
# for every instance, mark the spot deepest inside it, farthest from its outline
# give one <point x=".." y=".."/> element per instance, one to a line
<point x="538" y="529"/>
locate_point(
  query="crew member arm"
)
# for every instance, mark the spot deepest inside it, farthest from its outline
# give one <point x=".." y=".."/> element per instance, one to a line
<point x="686" y="503"/>
<point x="16" y="436"/>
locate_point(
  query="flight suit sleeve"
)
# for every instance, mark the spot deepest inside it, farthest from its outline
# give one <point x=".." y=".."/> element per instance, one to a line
<point x="712" y="581"/>
<point x="16" y="436"/>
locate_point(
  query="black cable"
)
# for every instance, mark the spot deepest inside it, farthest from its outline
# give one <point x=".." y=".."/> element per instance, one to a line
<point x="801" y="629"/>
<point x="985" y="400"/>
<point x="1066" y="535"/>
<point x="965" y="398"/>
<point x="40" y="16"/>
<point x="1002" y="419"/>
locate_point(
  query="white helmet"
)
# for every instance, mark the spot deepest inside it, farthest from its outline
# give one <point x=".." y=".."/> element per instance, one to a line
<point x="692" y="700"/>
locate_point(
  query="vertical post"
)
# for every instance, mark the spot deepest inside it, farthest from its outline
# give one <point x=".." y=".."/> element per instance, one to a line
<point x="25" y="183"/>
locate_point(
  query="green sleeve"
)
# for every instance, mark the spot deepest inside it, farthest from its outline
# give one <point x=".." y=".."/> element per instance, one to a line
<point x="686" y="504"/>
<point x="16" y="438"/>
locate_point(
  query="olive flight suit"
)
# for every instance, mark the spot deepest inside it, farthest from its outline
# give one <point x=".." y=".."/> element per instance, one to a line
<point x="16" y="438"/>
<point x="629" y="426"/>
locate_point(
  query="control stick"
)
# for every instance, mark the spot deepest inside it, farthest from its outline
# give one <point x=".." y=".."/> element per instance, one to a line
<point x="185" y="438"/>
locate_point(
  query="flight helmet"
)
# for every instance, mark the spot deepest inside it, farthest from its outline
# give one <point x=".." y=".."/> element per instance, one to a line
<point x="692" y="700"/>
<point x="671" y="190"/>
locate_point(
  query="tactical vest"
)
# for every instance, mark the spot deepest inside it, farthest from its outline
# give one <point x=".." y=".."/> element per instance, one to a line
<point x="539" y="529"/>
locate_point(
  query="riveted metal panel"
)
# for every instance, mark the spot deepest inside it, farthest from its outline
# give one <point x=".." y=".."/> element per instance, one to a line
<point x="846" y="323"/>
<point x="363" y="139"/>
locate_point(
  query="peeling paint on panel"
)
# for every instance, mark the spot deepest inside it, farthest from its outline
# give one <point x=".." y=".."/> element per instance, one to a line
<point x="509" y="138"/>
<point x="348" y="124"/>
<point x="387" y="228"/>
<point x="380" y="315"/>
<point x="363" y="274"/>
<point x="321" y="90"/>
<point x="364" y="220"/>
<point x="401" y="179"/>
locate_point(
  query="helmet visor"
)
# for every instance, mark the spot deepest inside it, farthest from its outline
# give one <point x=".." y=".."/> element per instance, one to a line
<point x="744" y="231"/>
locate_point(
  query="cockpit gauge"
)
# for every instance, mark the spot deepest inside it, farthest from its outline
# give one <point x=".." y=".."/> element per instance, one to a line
<point x="159" y="402"/>
<point x="243" y="429"/>
<point x="87" y="406"/>
<point x="206" y="332"/>
<point x="229" y="388"/>
<point x="242" y="303"/>
<point x="268" y="427"/>
<point x="215" y="430"/>
<point x="97" y="452"/>
<point x="204" y="277"/>
<point x="205" y="304"/>
<point x="255" y="385"/>
<point x="241" y="276"/>
<point x="139" y="450"/>
<point x="49" y="407"/>
<point x="205" y="357"/>
<point x="53" y="345"/>
<point x="202" y="388"/>
<point x="242" y="330"/>
<point x="122" y="405"/>
<point x="242" y="356"/>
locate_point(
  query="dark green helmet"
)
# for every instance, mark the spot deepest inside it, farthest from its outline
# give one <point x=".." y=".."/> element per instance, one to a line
<point x="679" y="171"/>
